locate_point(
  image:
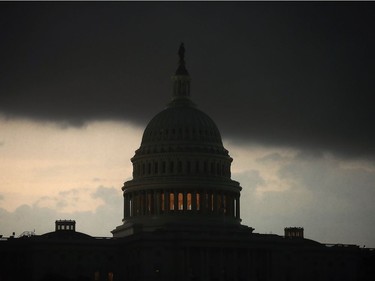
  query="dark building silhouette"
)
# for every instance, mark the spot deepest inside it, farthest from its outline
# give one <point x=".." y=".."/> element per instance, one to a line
<point x="181" y="220"/>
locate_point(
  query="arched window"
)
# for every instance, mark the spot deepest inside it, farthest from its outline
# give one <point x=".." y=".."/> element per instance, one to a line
<point x="162" y="203"/>
<point x="171" y="201"/>
<point x="197" y="196"/>
<point x="180" y="201"/>
<point x="188" y="201"/>
<point x="150" y="203"/>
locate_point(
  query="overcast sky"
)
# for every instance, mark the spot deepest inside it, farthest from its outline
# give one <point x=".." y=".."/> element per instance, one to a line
<point x="288" y="84"/>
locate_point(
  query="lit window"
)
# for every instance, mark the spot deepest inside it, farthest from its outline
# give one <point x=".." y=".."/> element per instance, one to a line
<point x="180" y="201"/>
<point x="188" y="201"/>
<point x="149" y="203"/>
<point x="171" y="201"/>
<point x="198" y="202"/>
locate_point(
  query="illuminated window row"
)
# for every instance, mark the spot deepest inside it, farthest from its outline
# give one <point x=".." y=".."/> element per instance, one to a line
<point x="157" y="202"/>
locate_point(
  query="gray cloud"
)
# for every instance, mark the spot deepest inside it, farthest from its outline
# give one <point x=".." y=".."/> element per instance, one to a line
<point x="42" y="219"/>
<point x="108" y="195"/>
<point x="333" y="201"/>
<point x="252" y="178"/>
<point x="289" y="74"/>
<point x="273" y="157"/>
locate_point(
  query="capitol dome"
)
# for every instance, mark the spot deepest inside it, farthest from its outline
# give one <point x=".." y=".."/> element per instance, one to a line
<point x="181" y="171"/>
<point x="182" y="123"/>
<point x="181" y="126"/>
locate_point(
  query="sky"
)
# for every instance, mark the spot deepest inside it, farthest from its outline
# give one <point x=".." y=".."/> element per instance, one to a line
<point x="289" y="84"/>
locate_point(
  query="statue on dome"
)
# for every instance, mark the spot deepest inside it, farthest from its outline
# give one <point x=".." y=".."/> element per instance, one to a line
<point x="181" y="52"/>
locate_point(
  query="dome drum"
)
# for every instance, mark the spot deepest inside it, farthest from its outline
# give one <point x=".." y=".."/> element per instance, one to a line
<point x="194" y="205"/>
<point x="191" y="165"/>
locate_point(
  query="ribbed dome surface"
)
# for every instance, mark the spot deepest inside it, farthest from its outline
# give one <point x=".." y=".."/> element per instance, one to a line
<point x="181" y="122"/>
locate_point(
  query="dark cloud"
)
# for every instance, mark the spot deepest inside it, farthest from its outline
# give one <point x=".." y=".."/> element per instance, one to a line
<point x="290" y="74"/>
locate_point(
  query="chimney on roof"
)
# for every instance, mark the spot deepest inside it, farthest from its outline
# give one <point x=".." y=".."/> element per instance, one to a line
<point x="65" y="225"/>
<point x="293" y="232"/>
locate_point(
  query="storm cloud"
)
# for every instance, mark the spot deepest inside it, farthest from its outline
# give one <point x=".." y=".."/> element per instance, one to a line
<point x="287" y="74"/>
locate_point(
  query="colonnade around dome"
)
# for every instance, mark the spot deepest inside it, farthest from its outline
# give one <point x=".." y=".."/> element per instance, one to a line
<point x="161" y="202"/>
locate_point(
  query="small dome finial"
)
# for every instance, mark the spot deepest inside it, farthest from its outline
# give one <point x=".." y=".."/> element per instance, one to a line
<point x="181" y="70"/>
<point x="181" y="52"/>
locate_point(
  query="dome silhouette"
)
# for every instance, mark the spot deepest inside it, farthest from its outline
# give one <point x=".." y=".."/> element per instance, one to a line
<point x="181" y="171"/>
<point x="182" y="127"/>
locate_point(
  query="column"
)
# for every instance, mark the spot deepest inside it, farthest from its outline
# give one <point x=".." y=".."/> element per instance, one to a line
<point x="184" y="194"/>
<point x="142" y="203"/>
<point x="238" y="207"/>
<point x="175" y="201"/>
<point x="230" y="205"/>
<point x="157" y="200"/>
<point x="207" y="202"/>
<point x="125" y="206"/>
<point x="194" y="201"/>
<point x="134" y="204"/>
<point x="215" y="208"/>
<point x="166" y="200"/>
